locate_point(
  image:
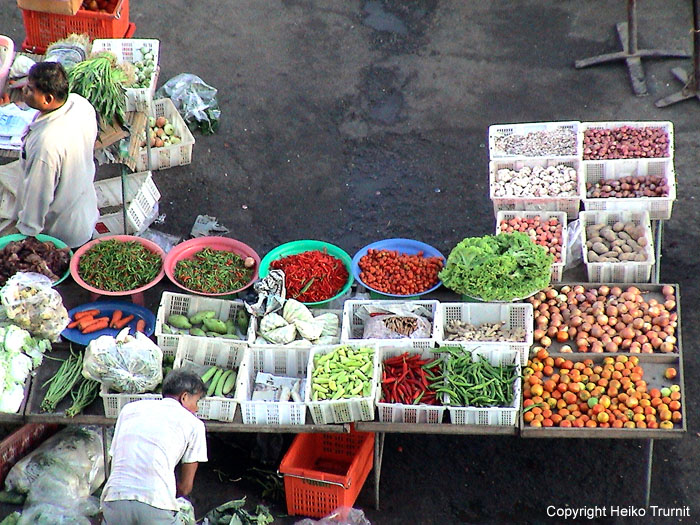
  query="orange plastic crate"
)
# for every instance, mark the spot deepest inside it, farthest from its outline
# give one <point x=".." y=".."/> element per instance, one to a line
<point x="45" y="28"/>
<point x="325" y="471"/>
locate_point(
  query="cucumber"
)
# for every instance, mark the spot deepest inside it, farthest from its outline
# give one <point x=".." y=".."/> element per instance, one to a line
<point x="215" y="381"/>
<point x="229" y="384"/>
<point x="206" y="376"/>
<point x="220" y="385"/>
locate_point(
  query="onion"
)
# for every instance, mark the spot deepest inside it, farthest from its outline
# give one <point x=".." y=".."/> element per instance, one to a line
<point x="670" y="304"/>
<point x="597" y="348"/>
<point x="249" y="262"/>
<point x="627" y="333"/>
<point x="668" y="290"/>
<point x="666" y="347"/>
<point x="538" y="334"/>
<point x="603" y="290"/>
<point x="610" y="347"/>
<point x="616" y="291"/>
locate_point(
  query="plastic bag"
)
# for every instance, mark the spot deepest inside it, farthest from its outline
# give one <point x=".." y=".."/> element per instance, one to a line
<point x="340" y="516"/>
<point x="195" y="100"/>
<point x="32" y="304"/>
<point x="129" y="364"/>
<point x="574" y="253"/>
<point x="185" y="512"/>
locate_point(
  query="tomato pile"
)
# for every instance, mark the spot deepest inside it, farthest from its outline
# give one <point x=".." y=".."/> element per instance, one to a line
<point x="397" y="273"/>
<point x="101" y="6"/>
<point x="544" y="232"/>
<point x="611" y="393"/>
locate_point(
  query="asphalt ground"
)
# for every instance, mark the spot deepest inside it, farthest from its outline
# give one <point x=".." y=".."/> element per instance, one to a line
<point x="351" y="121"/>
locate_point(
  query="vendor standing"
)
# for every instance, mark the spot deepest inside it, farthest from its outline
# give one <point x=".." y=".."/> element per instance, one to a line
<point x="51" y="189"/>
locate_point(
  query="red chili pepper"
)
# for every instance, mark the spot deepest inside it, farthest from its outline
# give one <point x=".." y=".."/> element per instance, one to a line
<point x="312" y="276"/>
<point x="405" y="381"/>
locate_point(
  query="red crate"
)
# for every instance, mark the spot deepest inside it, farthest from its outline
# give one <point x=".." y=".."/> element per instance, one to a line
<point x="45" y="28"/>
<point x="325" y="471"/>
<point x="18" y="444"/>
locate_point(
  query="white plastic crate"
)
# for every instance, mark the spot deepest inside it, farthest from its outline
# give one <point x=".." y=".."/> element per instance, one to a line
<point x="168" y="156"/>
<point x="280" y="361"/>
<point x="342" y="410"/>
<point x="659" y="208"/>
<point x="399" y="412"/>
<point x="492" y="416"/>
<point x="513" y="315"/>
<point x="208" y="351"/>
<point x="141" y="196"/>
<point x="667" y="126"/>
<point x="618" y="272"/>
<point x="502" y="130"/>
<point x="184" y="304"/>
<point x="114" y="402"/>
<point x="129" y="50"/>
<point x="557" y="267"/>
<point x="353" y="326"/>
<point x="568" y="204"/>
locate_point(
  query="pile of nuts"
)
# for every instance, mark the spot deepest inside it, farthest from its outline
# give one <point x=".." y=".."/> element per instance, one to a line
<point x="621" y="242"/>
<point x="625" y="142"/>
<point x="558" y="143"/>
<point x="553" y="181"/>
<point x="464" y="331"/>
<point x="547" y="233"/>
<point x="628" y="187"/>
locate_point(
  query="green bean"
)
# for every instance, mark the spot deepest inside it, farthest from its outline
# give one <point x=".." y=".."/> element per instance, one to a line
<point x="61" y="383"/>
<point x="82" y="396"/>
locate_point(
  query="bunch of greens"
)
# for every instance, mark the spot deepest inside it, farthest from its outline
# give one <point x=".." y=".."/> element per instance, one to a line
<point x="101" y="81"/>
<point x="233" y="512"/>
<point x="497" y="267"/>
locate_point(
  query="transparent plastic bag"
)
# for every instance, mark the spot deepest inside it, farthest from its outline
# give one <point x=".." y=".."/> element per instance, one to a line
<point x="195" y="100"/>
<point x="185" y="512"/>
<point x="340" y="516"/>
<point x="32" y="304"/>
<point x="574" y="253"/>
<point x="49" y="514"/>
<point x="129" y="364"/>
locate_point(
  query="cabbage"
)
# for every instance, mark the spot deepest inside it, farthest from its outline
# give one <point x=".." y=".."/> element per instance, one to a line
<point x="19" y="367"/>
<point x="294" y="311"/>
<point x="12" y="398"/>
<point x="16" y="338"/>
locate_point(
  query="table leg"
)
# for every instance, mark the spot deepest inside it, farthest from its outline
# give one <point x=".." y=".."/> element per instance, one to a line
<point x="650" y="463"/>
<point x="378" y="456"/>
<point x="658" y="236"/>
<point x="105" y="451"/>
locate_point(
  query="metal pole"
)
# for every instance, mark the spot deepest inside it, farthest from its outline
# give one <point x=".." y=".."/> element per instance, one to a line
<point x="650" y="464"/>
<point x="696" y="46"/>
<point x="632" y="27"/>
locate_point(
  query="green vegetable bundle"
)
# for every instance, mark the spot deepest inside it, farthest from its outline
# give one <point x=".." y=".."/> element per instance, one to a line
<point x="101" y="81"/>
<point x="501" y="267"/>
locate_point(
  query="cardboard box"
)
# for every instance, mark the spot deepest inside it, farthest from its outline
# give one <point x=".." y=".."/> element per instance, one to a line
<point x="61" y="7"/>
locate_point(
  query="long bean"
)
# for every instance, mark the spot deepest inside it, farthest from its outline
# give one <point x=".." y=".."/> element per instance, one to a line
<point x="61" y="383"/>
<point x="82" y="396"/>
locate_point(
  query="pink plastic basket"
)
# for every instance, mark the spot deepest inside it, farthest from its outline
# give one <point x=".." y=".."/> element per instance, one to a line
<point x="7" y="53"/>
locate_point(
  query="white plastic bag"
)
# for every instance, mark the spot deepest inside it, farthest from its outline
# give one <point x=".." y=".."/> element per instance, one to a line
<point x="340" y="516"/>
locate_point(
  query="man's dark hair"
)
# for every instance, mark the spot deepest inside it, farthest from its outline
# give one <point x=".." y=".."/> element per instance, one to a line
<point x="179" y="381"/>
<point x="50" y="78"/>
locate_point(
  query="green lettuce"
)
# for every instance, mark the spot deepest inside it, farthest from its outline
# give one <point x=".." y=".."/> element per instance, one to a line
<point x="497" y="267"/>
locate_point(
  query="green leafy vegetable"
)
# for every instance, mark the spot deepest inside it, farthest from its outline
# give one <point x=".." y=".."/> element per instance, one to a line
<point x="497" y="267"/>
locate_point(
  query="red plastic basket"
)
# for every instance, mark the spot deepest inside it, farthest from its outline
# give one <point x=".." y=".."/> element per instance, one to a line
<point x="325" y="471"/>
<point x="45" y="28"/>
<point x="18" y="444"/>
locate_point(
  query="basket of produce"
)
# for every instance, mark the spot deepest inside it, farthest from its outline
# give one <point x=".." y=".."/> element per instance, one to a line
<point x="629" y="185"/>
<point x="316" y="272"/>
<point x="497" y="268"/>
<point x="536" y="139"/>
<point x="212" y="266"/>
<point x="617" y="246"/>
<point x="389" y="322"/>
<point x="482" y="385"/>
<point x="398" y="268"/>
<point x="408" y="384"/>
<point x="170" y="138"/>
<point x="41" y="254"/>
<point x="297" y="325"/>
<point x="142" y="54"/>
<point x="546" y="228"/>
<point x="92" y="320"/>
<point x="271" y="385"/>
<point x="342" y="382"/>
<point x="627" y="140"/>
<point x="489" y="325"/>
<point x="620" y="396"/>
<point x="218" y="364"/>
<point x="608" y="318"/>
<point x="118" y="265"/>
<point x="535" y="185"/>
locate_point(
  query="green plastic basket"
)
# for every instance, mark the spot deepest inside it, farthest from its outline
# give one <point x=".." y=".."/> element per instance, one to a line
<point x="7" y="239"/>
<point x="294" y="247"/>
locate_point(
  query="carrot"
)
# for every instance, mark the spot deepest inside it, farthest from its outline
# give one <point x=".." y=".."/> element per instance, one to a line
<point x="116" y="315"/>
<point x="140" y="325"/>
<point x="84" y="324"/>
<point x="123" y="322"/>
<point x="74" y="324"/>
<point x="98" y="325"/>
<point x="85" y="313"/>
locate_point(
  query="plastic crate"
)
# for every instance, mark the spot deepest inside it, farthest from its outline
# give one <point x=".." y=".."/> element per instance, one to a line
<point x="557" y="267"/>
<point x="502" y="130"/>
<point x="402" y="413"/>
<point x="342" y="410"/>
<point x="492" y="416"/>
<point x="323" y="472"/>
<point x="280" y="361"/>
<point x="513" y="315"/>
<point x="618" y="272"/>
<point x="142" y="196"/>
<point x="664" y="124"/>
<point x="569" y="204"/>
<point x="211" y="351"/>
<point x="177" y="303"/>
<point x="353" y="326"/>
<point x="659" y="208"/>
<point x="43" y="29"/>
<point x="129" y="50"/>
<point x="7" y="55"/>
<point x="22" y="441"/>
<point x="168" y="156"/>
<point x="114" y="402"/>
